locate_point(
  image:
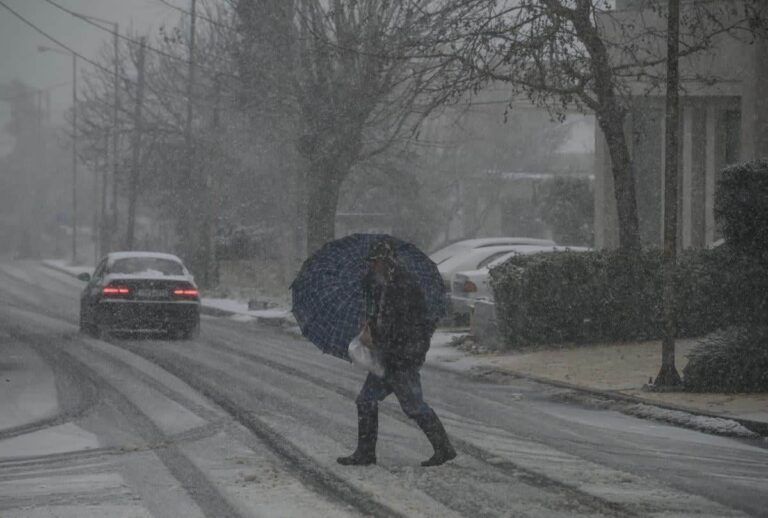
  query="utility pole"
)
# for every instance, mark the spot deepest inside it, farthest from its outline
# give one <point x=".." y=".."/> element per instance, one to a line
<point x="74" y="158"/>
<point x="210" y="263"/>
<point x="133" y="186"/>
<point x="189" y="245"/>
<point x="96" y="225"/>
<point x="104" y="225"/>
<point x="190" y="89"/>
<point x="668" y="376"/>
<point x="112" y="230"/>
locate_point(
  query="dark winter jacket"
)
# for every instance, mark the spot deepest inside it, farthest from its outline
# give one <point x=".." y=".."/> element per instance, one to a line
<point x="398" y="320"/>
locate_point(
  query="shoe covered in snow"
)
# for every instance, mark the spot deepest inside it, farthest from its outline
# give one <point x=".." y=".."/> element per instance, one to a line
<point x="440" y="457"/>
<point x="367" y="433"/>
<point x="357" y="459"/>
<point x="433" y="429"/>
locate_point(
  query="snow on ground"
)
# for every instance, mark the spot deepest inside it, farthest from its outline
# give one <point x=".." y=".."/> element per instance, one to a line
<point x="65" y="265"/>
<point x="714" y="425"/>
<point x="28" y="386"/>
<point x="241" y="311"/>
<point x="63" y="438"/>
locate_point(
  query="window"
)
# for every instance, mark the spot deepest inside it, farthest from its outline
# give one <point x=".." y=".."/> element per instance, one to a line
<point x="147" y="265"/>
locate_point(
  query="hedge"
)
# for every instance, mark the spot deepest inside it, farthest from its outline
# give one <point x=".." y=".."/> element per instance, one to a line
<point x="610" y="295"/>
<point x="733" y="360"/>
<point x="741" y="207"/>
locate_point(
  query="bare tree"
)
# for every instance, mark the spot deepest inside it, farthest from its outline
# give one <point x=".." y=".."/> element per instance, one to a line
<point x="350" y="90"/>
<point x="163" y="185"/>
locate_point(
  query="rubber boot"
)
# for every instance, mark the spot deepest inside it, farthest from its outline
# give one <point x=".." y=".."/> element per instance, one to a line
<point x="433" y="429"/>
<point x="367" y="432"/>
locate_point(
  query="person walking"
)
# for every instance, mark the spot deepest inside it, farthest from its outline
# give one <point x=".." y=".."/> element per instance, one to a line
<point x="399" y="332"/>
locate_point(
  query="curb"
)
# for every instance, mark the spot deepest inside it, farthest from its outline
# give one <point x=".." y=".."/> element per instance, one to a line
<point x="57" y="269"/>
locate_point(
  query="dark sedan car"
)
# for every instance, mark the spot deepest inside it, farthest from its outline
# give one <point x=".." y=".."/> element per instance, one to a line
<point x="140" y="291"/>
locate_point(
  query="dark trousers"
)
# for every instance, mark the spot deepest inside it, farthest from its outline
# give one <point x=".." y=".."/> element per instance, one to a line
<point x="404" y="382"/>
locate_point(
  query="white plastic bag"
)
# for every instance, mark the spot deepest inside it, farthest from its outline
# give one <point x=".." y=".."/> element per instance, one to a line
<point x="362" y="356"/>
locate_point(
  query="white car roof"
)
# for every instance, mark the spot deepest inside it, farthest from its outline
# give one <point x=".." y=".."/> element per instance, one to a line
<point x="525" y="250"/>
<point x="468" y="244"/>
<point x="469" y="259"/>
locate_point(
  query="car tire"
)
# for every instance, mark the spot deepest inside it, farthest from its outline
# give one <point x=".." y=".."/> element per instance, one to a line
<point x="84" y="328"/>
<point x="191" y="332"/>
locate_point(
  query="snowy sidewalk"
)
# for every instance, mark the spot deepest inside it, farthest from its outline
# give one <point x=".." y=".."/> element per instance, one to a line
<point x="608" y="370"/>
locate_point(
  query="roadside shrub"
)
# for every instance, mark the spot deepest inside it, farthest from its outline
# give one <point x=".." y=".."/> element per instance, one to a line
<point x="577" y="296"/>
<point x="705" y="299"/>
<point x="611" y="295"/>
<point x="733" y="360"/>
<point x="741" y="207"/>
<point x="719" y="288"/>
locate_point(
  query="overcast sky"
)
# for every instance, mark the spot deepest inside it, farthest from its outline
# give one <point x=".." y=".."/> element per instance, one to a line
<point x="20" y="59"/>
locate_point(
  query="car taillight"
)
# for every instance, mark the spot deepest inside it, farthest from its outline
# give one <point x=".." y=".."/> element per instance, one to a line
<point x="115" y="290"/>
<point x="186" y="292"/>
<point x="469" y="287"/>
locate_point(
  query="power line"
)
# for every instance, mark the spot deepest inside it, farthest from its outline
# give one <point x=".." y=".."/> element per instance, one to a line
<point x="198" y="15"/>
<point x="86" y="19"/>
<point x="51" y="38"/>
<point x="68" y="48"/>
<point x="74" y="52"/>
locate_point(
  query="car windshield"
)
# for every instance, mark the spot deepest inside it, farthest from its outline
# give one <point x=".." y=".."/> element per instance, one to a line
<point x="151" y="266"/>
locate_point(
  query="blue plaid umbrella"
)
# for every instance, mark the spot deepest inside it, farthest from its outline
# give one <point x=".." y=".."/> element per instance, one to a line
<point x="328" y="297"/>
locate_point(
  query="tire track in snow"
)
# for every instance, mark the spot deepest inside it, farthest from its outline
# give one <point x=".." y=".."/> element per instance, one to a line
<point x="76" y="397"/>
<point x="182" y="365"/>
<point x="302" y="466"/>
<point x="509" y="468"/>
<point x="202" y="491"/>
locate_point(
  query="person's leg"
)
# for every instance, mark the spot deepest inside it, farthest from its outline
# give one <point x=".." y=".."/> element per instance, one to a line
<point x="374" y="390"/>
<point x="406" y="384"/>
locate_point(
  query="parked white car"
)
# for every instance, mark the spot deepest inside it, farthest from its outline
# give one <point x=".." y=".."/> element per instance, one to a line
<point x="468" y="286"/>
<point x="468" y="254"/>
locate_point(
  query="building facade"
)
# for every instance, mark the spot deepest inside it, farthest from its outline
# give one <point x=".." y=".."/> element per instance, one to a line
<point x="723" y="120"/>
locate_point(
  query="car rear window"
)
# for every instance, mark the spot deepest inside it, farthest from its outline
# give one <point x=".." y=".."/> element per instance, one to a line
<point x="152" y="266"/>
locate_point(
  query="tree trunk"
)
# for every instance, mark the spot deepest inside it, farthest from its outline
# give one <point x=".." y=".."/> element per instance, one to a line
<point x="322" y="201"/>
<point x="610" y="117"/>
<point x="612" y="126"/>
<point x="668" y="376"/>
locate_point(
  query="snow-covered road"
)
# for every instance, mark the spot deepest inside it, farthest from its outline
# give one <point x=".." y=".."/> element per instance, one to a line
<point x="247" y="421"/>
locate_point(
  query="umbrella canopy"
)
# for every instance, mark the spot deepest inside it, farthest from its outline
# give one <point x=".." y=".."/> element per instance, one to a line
<point x="328" y="296"/>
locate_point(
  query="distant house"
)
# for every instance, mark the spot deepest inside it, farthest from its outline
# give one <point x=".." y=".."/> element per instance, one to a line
<point x="506" y="203"/>
<point x="722" y="122"/>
